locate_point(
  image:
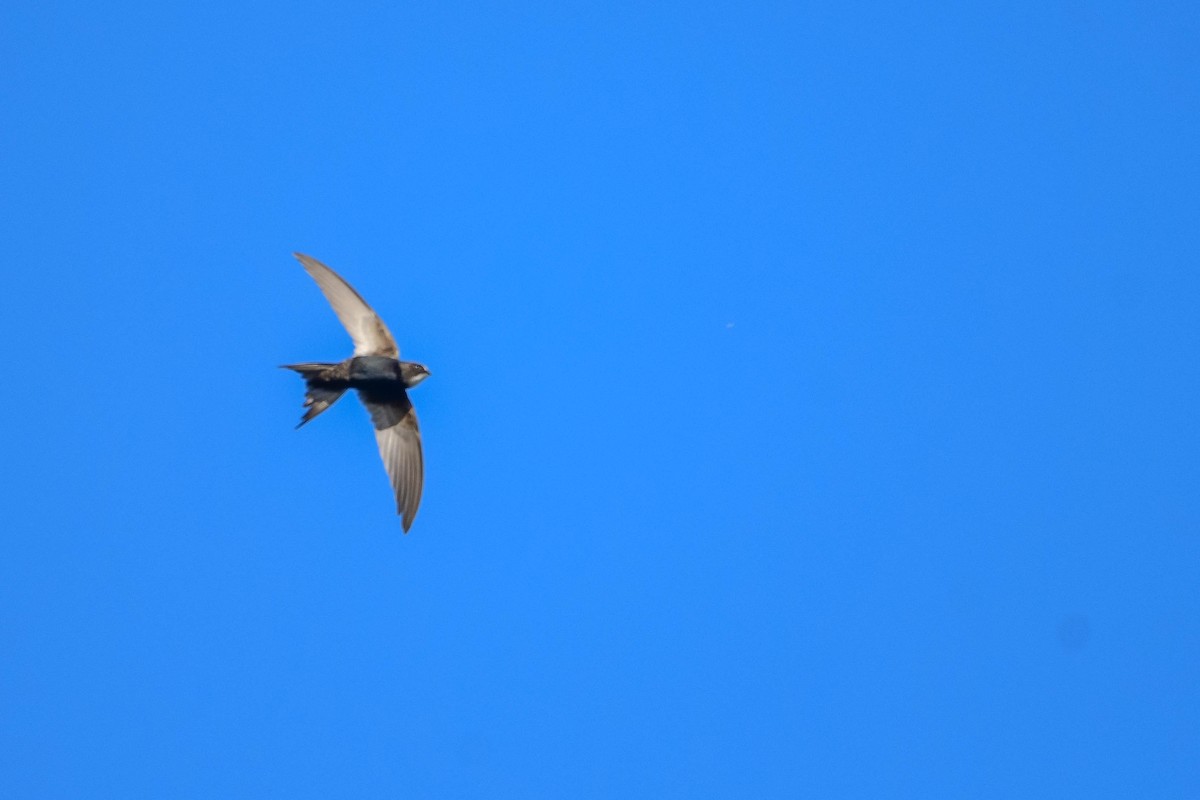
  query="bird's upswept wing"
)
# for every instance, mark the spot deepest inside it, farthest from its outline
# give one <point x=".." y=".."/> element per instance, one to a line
<point x="371" y="337"/>
<point x="399" y="441"/>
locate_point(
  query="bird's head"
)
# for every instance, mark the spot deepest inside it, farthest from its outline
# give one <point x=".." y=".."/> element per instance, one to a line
<point x="412" y="373"/>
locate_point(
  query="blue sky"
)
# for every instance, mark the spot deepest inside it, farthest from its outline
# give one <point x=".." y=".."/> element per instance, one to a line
<point x="813" y="409"/>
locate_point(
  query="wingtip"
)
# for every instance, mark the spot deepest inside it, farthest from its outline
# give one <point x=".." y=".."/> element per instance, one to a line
<point x="306" y="261"/>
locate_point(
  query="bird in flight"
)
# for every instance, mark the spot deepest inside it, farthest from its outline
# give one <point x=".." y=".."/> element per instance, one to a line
<point x="382" y="381"/>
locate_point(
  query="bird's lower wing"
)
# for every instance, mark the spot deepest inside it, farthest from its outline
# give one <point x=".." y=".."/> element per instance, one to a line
<point x="399" y="441"/>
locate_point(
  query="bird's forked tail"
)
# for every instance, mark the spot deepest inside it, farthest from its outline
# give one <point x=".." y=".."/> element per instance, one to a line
<point x="322" y="387"/>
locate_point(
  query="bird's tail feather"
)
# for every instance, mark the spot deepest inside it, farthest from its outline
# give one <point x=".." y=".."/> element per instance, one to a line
<point x="321" y="389"/>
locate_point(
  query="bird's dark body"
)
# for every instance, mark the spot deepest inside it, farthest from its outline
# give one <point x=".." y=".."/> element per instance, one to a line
<point x="375" y="371"/>
<point x="359" y="372"/>
<point x="378" y="379"/>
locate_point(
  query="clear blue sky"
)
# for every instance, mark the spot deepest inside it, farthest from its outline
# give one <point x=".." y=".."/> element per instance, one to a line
<point x="813" y="409"/>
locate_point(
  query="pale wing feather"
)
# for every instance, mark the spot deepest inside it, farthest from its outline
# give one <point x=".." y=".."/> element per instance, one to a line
<point x="370" y="335"/>
<point x="400" y="449"/>
<point x="399" y="441"/>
